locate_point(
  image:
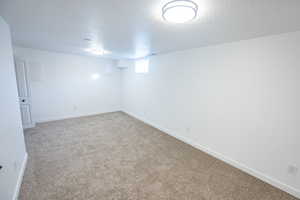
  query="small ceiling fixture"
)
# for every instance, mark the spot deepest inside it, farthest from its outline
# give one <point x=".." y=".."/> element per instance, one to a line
<point x="180" y="11"/>
<point x="87" y="39"/>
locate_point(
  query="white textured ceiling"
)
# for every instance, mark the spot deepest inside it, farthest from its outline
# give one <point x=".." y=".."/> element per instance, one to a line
<point x="134" y="28"/>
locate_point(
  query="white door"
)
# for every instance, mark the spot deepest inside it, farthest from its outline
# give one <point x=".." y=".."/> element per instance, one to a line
<point x="24" y="93"/>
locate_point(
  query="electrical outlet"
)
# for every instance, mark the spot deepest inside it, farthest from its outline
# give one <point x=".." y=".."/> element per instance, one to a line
<point x="15" y="165"/>
<point x="188" y="130"/>
<point x="292" y="170"/>
<point x="74" y="108"/>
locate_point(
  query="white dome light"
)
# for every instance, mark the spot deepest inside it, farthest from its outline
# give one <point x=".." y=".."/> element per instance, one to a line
<point x="180" y="11"/>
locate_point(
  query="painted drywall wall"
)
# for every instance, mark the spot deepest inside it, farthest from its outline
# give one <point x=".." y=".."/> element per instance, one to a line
<point x="65" y="85"/>
<point x="12" y="147"/>
<point x="238" y="100"/>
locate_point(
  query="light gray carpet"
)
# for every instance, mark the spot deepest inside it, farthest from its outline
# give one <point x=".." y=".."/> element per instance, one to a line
<point x="116" y="157"/>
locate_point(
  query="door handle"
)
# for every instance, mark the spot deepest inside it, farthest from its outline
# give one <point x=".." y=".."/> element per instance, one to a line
<point x="1" y="167"/>
<point x="23" y="100"/>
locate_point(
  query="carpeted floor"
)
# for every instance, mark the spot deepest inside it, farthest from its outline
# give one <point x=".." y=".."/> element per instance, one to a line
<point x="116" y="157"/>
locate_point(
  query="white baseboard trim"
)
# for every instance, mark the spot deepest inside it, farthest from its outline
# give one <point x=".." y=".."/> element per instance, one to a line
<point x="20" y="178"/>
<point x="32" y="125"/>
<point x="278" y="184"/>
<point x="50" y="119"/>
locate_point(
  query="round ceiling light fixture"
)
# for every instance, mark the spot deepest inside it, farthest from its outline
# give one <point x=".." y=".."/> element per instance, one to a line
<point x="180" y="11"/>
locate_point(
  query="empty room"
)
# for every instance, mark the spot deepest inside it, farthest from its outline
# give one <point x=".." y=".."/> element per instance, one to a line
<point x="150" y="100"/>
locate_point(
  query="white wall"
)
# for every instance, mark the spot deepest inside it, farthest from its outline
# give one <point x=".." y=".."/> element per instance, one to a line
<point x="12" y="147"/>
<point x="238" y="101"/>
<point x="62" y="85"/>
